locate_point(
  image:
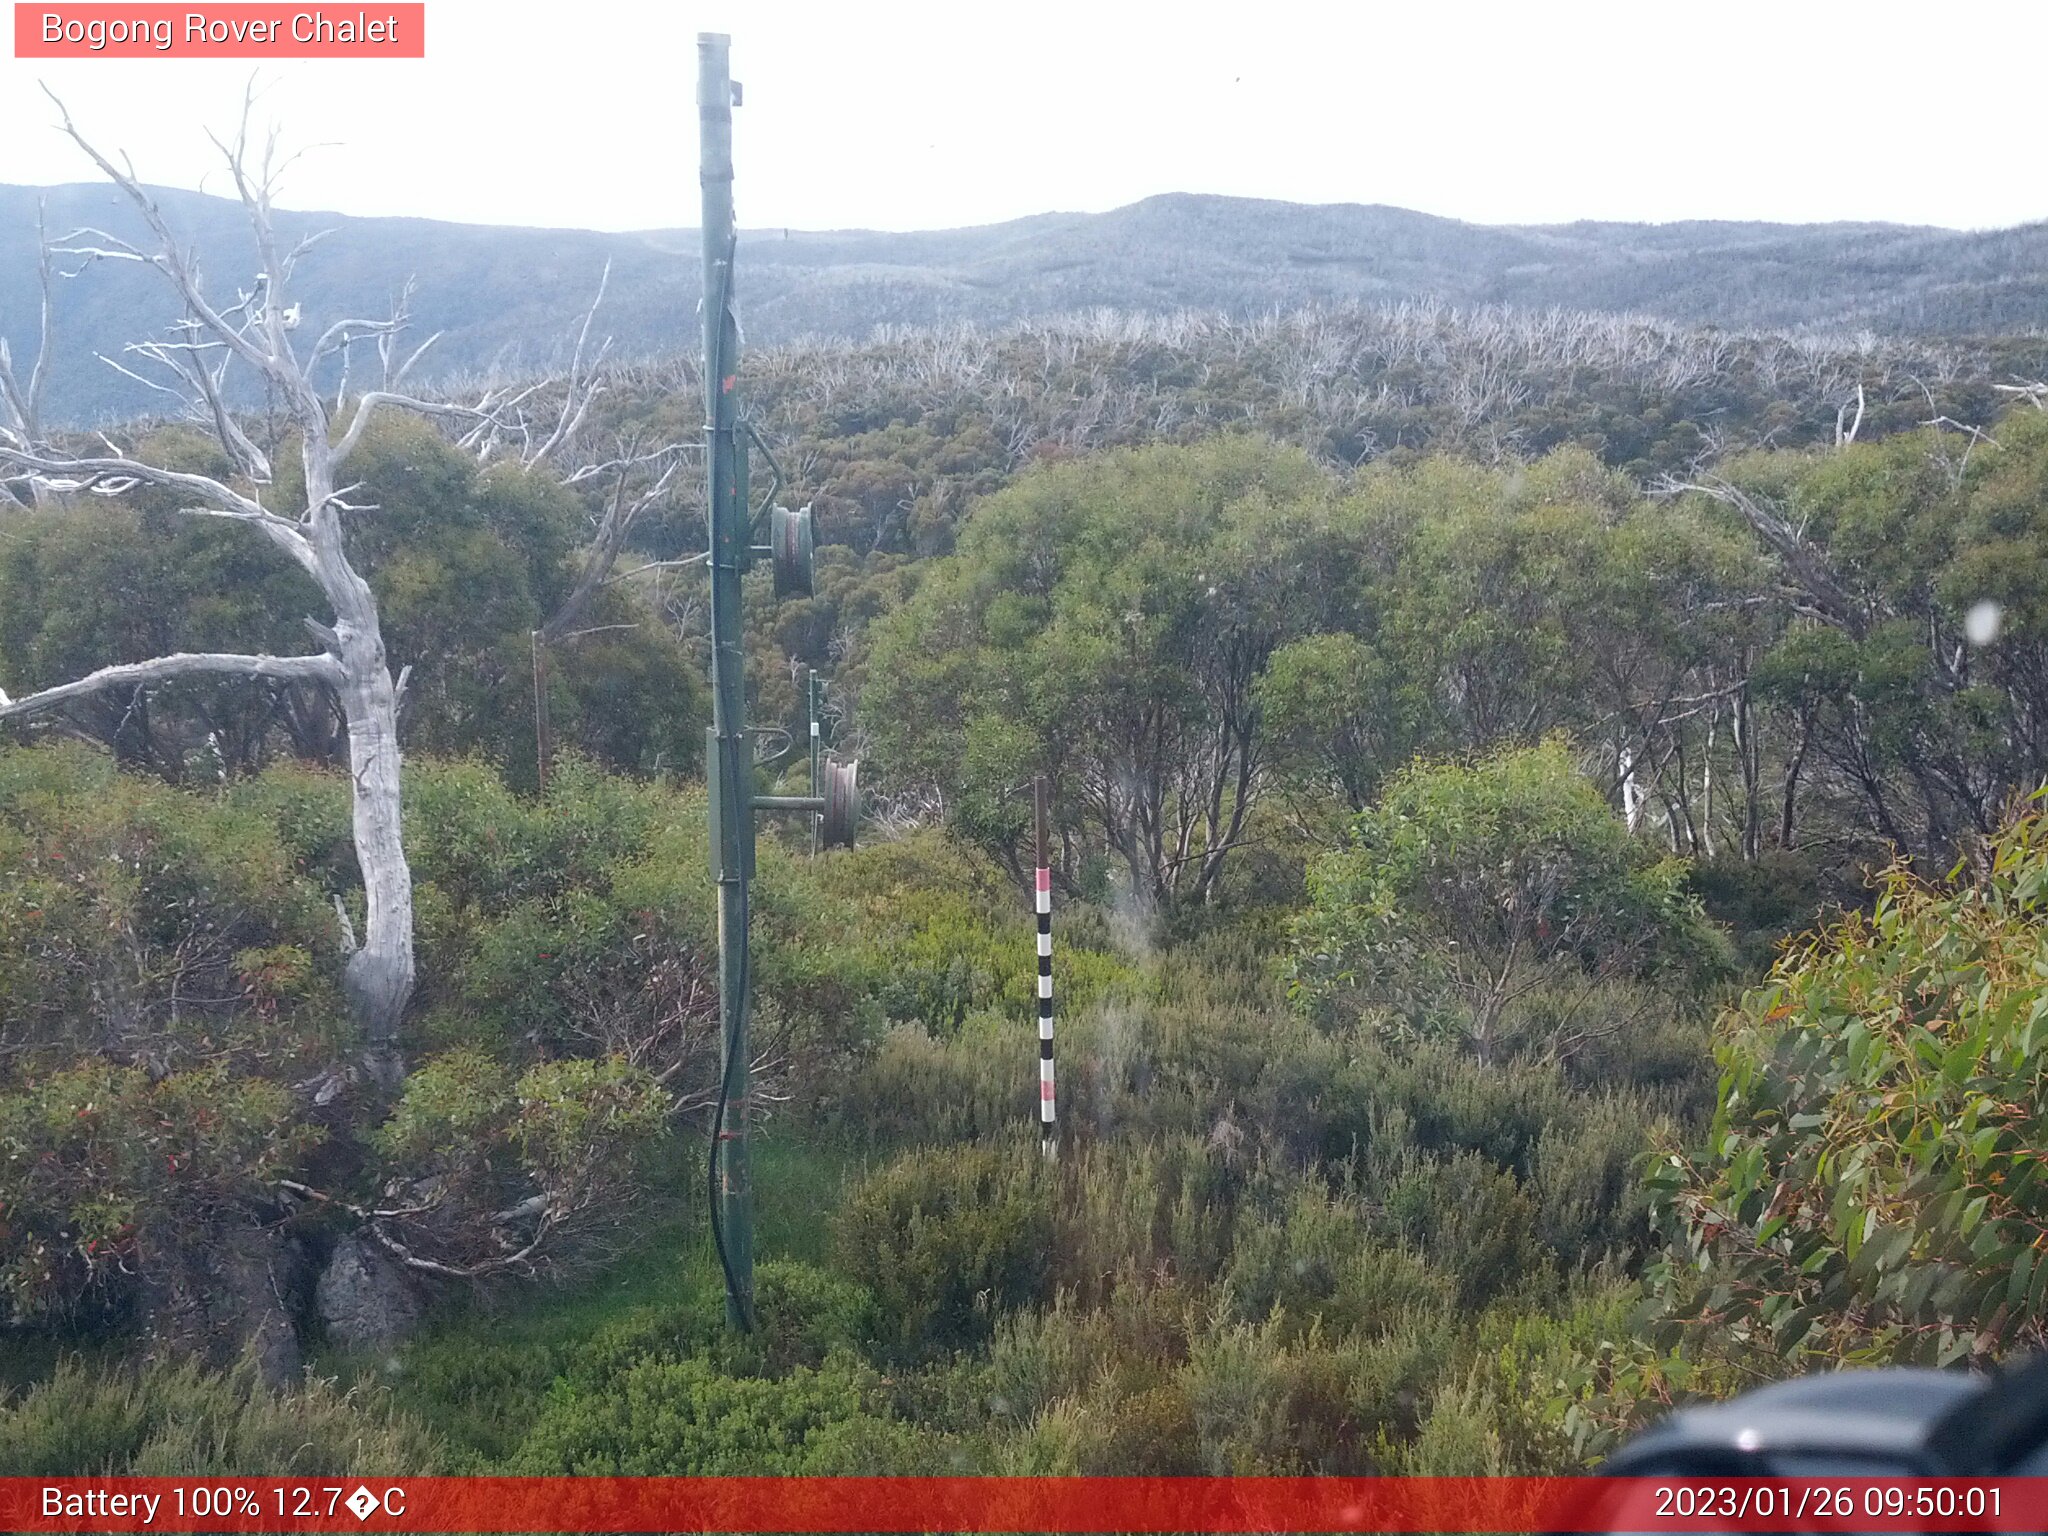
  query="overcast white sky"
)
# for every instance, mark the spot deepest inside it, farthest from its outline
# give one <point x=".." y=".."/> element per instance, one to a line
<point x="898" y="115"/>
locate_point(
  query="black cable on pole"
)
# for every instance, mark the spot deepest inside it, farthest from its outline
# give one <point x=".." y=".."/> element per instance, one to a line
<point x="732" y="1283"/>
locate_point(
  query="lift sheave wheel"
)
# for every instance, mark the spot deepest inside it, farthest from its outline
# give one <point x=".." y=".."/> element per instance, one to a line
<point x="842" y="803"/>
<point x="789" y="535"/>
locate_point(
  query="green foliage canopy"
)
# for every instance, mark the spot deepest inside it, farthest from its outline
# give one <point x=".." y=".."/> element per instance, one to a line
<point x="1106" y="623"/>
<point x="1479" y="902"/>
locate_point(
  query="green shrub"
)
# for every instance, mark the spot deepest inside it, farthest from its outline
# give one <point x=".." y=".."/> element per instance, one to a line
<point x="1557" y="1388"/>
<point x="1586" y="1183"/>
<point x="309" y="811"/>
<point x="1872" y="1186"/>
<point x="938" y="934"/>
<point x="1320" y="1405"/>
<point x="687" y="1418"/>
<point x="1235" y="1382"/>
<point x="802" y="1314"/>
<point x="481" y="1393"/>
<point x="108" y="1175"/>
<point x="1769" y="900"/>
<point x="1315" y="1261"/>
<point x="581" y="923"/>
<point x="1053" y="1444"/>
<point x="1456" y="1439"/>
<point x="1037" y="1358"/>
<point x="916" y="1089"/>
<point x="1471" y="1218"/>
<point x="947" y="1240"/>
<point x="1150" y="1433"/>
<point x="126" y="911"/>
<point x="1665" y="1053"/>
<point x="1155" y="1208"/>
<point x="181" y="1420"/>
<point x="1470" y="888"/>
<point x="577" y="1137"/>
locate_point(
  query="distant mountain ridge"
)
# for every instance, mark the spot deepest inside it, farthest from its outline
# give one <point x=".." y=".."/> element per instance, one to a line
<point x="505" y="296"/>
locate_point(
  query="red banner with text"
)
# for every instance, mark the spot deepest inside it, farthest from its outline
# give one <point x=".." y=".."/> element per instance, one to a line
<point x="1022" y="1504"/>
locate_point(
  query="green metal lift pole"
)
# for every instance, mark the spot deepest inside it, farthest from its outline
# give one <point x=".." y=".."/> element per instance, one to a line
<point x="728" y="765"/>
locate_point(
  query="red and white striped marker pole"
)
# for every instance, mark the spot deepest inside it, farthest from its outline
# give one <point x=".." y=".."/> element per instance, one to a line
<point x="1048" y="1102"/>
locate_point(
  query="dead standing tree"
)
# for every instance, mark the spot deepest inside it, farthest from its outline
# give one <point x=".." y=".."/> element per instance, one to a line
<point x="634" y="479"/>
<point x="638" y="480"/>
<point x="255" y="332"/>
<point x="21" y="403"/>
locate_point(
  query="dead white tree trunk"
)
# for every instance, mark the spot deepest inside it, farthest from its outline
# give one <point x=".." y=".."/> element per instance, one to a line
<point x="21" y="404"/>
<point x="1846" y="429"/>
<point x="255" y="331"/>
<point x="1631" y="791"/>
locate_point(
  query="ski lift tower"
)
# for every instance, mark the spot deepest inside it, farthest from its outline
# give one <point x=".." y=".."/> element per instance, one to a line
<point x="834" y="798"/>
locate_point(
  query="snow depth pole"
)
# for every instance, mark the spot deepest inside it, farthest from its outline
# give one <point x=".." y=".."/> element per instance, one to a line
<point x="1048" y="1103"/>
<point x="811" y="697"/>
<point x="728" y="768"/>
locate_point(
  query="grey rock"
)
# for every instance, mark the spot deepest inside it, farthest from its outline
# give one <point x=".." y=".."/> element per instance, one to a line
<point x="364" y="1298"/>
<point x="229" y="1299"/>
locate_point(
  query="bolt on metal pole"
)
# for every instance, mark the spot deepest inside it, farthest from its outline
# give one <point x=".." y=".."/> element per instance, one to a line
<point x="728" y="767"/>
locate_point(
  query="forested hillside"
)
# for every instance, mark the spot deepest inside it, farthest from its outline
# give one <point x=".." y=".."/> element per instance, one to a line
<point x="497" y="294"/>
<point x="1532" y="793"/>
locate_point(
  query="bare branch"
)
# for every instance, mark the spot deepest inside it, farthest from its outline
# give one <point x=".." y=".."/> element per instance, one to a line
<point x="579" y="390"/>
<point x="307" y="1192"/>
<point x="345" y="332"/>
<point x="165" y="669"/>
<point x="203" y="486"/>
<point x="659" y="565"/>
<point x="418" y="352"/>
<point x="108" y="248"/>
<point x="39" y="375"/>
<point x="306" y="243"/>
<point x="130" y="373"/>
<point x="348" y="928"/>
<point x="370" y="401"/>
<point x="1807" y="565"/>
<point x="205" y="397"/>
<point x="1846" y="430"/>
<point x="22" y="421"/>
<point x="25" y="404"/>
<point x="170" y="261"/>
<point x="610" y="539"/>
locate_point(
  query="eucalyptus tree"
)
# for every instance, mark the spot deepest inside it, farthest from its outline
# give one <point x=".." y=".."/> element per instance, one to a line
<point x="1108" y="622"/>
<point x="1906" y="665"/>
<point x="1501" y="904"/>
